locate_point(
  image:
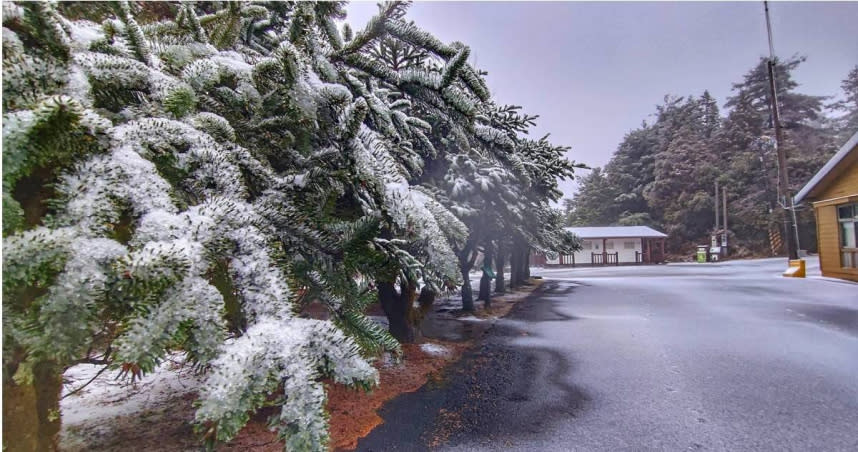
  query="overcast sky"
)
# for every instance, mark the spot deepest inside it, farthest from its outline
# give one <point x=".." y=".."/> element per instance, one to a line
<point x="594" y="71"/>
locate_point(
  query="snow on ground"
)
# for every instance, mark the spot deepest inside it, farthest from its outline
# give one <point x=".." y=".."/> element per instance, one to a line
<point x="107" y="397"/>
<point x="380" y="319"/>
<point x="471" y="318"/>
<point x="434" y="349"/>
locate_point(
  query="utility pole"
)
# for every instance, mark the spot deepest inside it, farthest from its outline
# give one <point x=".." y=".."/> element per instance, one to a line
<point x="717" y="222"/>
<point x="790" y="239"/>
<point x="724" y="220"/>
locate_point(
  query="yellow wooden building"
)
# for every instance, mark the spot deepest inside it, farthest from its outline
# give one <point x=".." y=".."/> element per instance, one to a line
<point x="833" y="191"/>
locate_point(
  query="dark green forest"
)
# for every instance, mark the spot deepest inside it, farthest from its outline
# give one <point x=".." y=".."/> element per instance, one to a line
<point x="663" y="173"/>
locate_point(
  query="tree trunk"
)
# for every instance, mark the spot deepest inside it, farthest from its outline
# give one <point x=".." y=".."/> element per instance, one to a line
<point x="467" y="257"/>
<point x="485" y="291"/>
<point x="518" y="266"/>
<point x="467" y="292"/>
<point x="486" y="281"/>
<point x="514" y="268"/>
<point x="397" y="307"/>
<point x="426" y="300"/>
<point x="500" y="284"/>
<point x="523" y="266"/>
<point x="526" y="270"/>
<point x="31" y="412"/>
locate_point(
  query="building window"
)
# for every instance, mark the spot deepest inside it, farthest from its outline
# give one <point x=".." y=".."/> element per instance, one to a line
<point x="629" y="245"/>
<point x="847" y="216"/>
<point x="609" y="245"/>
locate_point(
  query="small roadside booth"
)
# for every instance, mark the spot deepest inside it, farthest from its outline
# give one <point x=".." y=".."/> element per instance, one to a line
<point x="833" y="192"/>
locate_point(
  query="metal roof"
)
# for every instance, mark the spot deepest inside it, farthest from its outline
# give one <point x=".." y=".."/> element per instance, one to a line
<point x="851" y="144"/>
<point x="610" y="232"/>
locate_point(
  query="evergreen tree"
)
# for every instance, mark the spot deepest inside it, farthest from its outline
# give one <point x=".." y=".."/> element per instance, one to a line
<point x="710" y="121"/>
<point x="684" y="170"/>
<point x="595" y="202"/>
<point x="808" y="144"/>
<point x="630" y="171"/>
<point x="797" y="108"/>
<point x="472" y="158"/>
<point x="847" y="124"/>
<point x="663" y="174"/>
<point x="191" y="176"/>
<point x="749" y="175"/>
<point x="159" y="219"/>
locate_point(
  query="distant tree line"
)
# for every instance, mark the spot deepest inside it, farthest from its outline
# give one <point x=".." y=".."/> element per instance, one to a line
<point x="663" y="173"/>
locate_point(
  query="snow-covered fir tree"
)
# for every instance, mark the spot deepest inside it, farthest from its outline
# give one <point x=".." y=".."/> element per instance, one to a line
<point x="183" y="176"/>
<point x="479" y="165"/>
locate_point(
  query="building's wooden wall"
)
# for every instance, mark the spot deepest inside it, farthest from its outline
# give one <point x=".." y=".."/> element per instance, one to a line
<point x="845" y="185"/>
<point x="828" y="239"/>
<point x="827" y="228"/>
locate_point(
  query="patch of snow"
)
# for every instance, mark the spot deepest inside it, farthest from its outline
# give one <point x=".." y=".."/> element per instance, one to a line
<point x="107" y="397"/>
<point x="78" y="84"/>
<point x="84" y="33"/>
<point x="434" y="349"/>
<point x="388" y="360"/>
<point x="234" y="61"/>
<point x="470" y="318"/>
<point x="299" y="180"/>
<point x="379" y="319"/>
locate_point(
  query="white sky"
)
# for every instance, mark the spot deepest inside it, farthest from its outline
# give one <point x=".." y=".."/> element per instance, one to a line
<point x="593" y="71"/>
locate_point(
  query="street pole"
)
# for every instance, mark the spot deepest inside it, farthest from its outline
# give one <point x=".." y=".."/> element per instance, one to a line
<point x="717" y="222"/>
<point x="790" y="237"/>
<point x="724" y="220"/>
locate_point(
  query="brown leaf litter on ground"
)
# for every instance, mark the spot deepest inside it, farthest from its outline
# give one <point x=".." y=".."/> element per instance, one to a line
<point x="354" y="414"/>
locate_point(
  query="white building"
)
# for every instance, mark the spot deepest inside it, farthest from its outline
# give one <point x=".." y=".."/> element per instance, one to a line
<point x="614" y="245"/>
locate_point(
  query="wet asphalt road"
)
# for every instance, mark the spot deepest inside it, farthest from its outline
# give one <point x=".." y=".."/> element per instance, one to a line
<point x="681" y="357"/>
